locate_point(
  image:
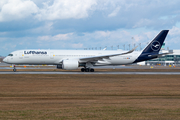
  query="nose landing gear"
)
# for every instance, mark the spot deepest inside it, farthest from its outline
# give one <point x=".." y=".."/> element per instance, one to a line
<point x="14" y="68"/>
<point x="87" y="70"/>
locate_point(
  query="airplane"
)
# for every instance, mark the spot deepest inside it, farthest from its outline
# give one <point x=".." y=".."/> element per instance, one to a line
<point x="87" y="59"/>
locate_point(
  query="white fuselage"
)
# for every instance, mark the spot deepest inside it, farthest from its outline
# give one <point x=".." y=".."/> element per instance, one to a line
<point x="54" y="57"/>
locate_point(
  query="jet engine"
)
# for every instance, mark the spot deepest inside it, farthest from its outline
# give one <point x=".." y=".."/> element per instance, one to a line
<point x="70" y="64"/>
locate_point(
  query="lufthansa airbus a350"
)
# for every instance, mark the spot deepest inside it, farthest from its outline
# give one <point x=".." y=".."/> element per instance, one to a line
<point x="87" y="59"/>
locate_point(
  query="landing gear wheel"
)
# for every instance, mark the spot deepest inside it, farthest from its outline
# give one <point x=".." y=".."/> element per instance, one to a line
<point x="87" y="69"/>
<point x="92" y="70"/>
<point x="82" y="70"/>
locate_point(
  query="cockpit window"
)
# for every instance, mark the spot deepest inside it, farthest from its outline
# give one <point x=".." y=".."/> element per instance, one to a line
<point x="10" y="55"/>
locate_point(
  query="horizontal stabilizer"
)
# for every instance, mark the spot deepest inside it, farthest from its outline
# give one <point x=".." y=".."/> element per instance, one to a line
<point x="160" y="55"/>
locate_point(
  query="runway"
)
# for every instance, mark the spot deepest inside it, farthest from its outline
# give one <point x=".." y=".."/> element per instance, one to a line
<point x="4" y="67"/>
<point x="81" y="73"/>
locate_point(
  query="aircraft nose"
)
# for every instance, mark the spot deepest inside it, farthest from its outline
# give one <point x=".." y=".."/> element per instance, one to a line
<point x="5" y="60"/>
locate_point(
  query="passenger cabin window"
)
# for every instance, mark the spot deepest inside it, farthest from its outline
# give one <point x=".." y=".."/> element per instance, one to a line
<point x="10" y="55"/>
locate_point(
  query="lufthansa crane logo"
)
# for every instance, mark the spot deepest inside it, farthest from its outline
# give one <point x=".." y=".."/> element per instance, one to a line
<point x="155" y="46"/>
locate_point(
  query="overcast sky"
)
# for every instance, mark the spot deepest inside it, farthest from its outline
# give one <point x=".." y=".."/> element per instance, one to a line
<point x="79" y="24"/>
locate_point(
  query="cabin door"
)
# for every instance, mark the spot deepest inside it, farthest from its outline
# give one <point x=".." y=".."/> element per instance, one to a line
<point x="21" y="55"/>
<point x="51" y="55"/>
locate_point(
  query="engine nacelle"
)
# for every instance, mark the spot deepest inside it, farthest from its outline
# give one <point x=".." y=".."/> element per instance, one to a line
<point x="70" y="64"/>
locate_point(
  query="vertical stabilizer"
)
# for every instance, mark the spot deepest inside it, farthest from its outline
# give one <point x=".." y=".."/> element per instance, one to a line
<point x="156" y="43"/>
<point x="153" y="48"/>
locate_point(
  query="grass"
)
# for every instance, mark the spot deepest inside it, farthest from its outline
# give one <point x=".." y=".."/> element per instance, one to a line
<point x="105" y="113"/>
<point x="105" y="97"/>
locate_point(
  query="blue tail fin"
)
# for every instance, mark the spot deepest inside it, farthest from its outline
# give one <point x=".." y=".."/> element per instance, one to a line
<point x="153" y="47"/>
<point x="156" y="43"/>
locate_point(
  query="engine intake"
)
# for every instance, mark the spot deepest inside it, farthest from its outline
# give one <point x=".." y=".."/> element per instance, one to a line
<point x="59" y="66"/>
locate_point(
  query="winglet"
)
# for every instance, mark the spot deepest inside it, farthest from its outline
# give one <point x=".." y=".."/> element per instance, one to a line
<point x="128" y="51"/>
<point x="132" y="50"/>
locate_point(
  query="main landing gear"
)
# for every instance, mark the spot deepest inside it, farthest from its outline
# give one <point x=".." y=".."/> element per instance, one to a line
<point x="87" y="70"/>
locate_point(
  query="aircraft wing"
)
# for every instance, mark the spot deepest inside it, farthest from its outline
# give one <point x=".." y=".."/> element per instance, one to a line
<point x="96" y="58"/>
